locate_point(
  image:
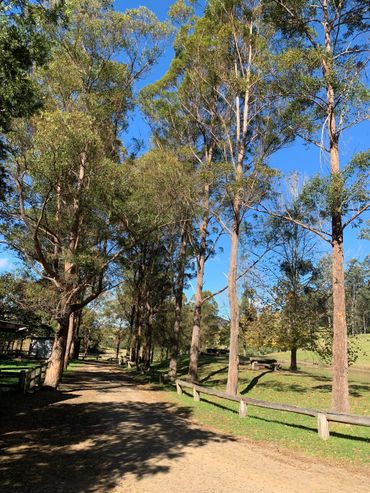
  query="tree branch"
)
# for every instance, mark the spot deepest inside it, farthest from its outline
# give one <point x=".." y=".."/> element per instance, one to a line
<point x="355" y="216"/>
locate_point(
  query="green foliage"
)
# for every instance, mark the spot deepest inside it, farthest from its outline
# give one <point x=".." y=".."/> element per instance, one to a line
<point x="358" y="295"/>
<point x="362" y="362"/>
<point x="215" y="329"/>
<point x="321" y="60"/>
<point x="181" y="12"/>
<point x="67" y="206"/>
<point x="28" y="301"/>
<point x="90" y="331"/>
<point x="24" y="46"/>
<point x="292" y="315"/>
<point x="85" y="212"/>
<point x="163" y="187"/>
<point x="324" y="345"/>
<point x="320" y="193"/>
<point x="262" y="332"/>
<point x="307" y="66"/>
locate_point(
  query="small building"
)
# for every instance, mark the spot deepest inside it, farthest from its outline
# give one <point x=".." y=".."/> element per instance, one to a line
<point x="17" y="339"/>
<point x="40" y="347"/>
<point x="12" y="335"/>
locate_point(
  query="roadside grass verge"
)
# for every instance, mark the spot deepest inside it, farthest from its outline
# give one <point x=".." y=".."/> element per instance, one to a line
<point x="281" y="430"/>
<point x="305" y="388"/>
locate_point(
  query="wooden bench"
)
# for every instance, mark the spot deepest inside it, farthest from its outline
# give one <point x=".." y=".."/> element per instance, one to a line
<point x="271" y="364"/>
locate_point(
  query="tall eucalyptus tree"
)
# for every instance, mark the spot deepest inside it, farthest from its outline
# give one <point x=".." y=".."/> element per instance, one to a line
<point x="249" y="115"/>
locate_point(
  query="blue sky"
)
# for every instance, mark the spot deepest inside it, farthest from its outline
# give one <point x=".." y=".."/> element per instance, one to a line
<point x="297" y="156"/>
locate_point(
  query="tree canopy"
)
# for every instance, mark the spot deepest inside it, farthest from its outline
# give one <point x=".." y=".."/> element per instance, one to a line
<point x="124" y="234"/>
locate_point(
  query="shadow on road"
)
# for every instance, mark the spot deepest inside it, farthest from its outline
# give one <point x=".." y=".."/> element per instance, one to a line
<point x="52" y="442"/>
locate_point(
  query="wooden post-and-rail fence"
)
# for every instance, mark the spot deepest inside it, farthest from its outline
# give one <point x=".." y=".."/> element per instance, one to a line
<point x="323" y="417"/>
<point x="33" y="378"/>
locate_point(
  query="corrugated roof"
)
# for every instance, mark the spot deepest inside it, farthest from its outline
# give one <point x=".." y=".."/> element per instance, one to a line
<point x="6" y="326"/>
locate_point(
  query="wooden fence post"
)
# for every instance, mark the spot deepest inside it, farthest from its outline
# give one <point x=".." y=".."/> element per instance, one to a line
<point x="39" y="376"/>
<point x="27" y="382"/>
<point x="323" y="417"/>
<point x="32" y="377"/>
<point x="322" y="426"/>
<point x="243" y="409"/>
<point x="22" y="381"/>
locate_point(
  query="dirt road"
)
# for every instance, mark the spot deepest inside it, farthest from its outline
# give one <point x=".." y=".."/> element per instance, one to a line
<point x="103" y="434"/>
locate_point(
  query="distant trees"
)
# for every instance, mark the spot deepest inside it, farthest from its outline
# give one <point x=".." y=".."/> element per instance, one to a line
<point x="294" y="292"/>
<point x="90" y="331"/>
<point x="297" y="311"/>
<point x="162" y="186"/>
<point x="294" y="295"/>
<point x="358" y="296"/>
<point x="115" y="316"/>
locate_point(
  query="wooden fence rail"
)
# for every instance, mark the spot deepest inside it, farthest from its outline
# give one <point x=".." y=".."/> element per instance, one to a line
<point x="33" y="378"/>
<point x="323" y="417"/>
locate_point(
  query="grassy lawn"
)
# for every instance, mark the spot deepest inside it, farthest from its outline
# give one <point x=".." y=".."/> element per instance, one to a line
<point x="75" y="363"/>
<point x="307" y="388"/>
<point x="9" y="370"/>
<point x="363" y="360"/>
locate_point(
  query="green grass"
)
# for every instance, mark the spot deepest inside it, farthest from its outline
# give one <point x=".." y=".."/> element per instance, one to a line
<point x="290" y="431"/>
<point x="307" y="388"/>
<point x="74" y="363"/>
<point x="363" y="359"/>
<point x="10" y="369"/>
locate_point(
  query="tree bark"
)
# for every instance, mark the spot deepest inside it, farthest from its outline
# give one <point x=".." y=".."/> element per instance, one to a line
<point x="55" y="367"/>
<point x="152" y="355"/>
<point x="132" y="337"/>
<point x="233" y="371"/>
<point x="178" y="304"/>
<point x="293" y="359"/>
<point x="241" y="128"/>
<point x="75" y="348"/>
<point x="139" y="332"/>
<point x="71" y="328"/>
<point x="59" y="353"/>
<point x="340" y="390"/>
<point x="118" y="345"/>
<point x="195" y="338"/>
<point x="76" y="342"/>
<point x="147" y="348"/>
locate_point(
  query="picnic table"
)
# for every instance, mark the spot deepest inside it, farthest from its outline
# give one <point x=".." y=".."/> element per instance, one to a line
<point x="258" y="362"/>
